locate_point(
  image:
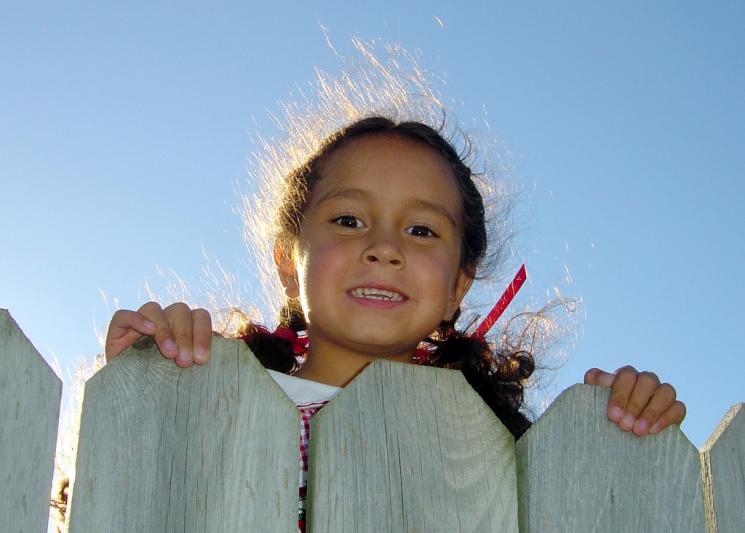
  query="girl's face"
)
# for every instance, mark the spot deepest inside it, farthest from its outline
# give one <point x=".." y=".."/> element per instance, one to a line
<point x="377" y="262"/>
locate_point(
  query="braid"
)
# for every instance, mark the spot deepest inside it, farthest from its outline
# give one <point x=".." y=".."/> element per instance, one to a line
<point x="291" y="316"/>
<point x="498" y="376"/>
<point x="273" y="352"/>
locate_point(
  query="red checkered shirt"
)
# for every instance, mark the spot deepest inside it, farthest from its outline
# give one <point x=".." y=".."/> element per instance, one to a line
<point x="306" y="413"/>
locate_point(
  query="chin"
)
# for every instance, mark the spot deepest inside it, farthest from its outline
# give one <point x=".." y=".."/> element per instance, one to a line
<point x="377" y="347"/>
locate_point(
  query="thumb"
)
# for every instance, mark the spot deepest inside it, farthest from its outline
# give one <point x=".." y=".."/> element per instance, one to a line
<point x="115" y="346"/>
<point x="595" y="376"/>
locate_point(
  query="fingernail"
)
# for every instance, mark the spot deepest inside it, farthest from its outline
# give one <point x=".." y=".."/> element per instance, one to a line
<point x="655" y="428"/>
<point x="640" y="426"/>
<point x="184" y="357"/>
<point x="170" y="346"/>
<point x="628" y="422"/>
<point x="148" y="324"/>
<point x="200" y="355"/>
<point x="615" y="413"/>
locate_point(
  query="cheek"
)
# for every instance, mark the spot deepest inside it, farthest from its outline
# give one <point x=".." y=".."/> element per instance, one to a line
<point x="325" y="262"/>
<point x="436" y="270"/>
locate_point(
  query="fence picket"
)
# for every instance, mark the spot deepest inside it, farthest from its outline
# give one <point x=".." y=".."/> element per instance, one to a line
<point x="723" y="465"/>
<point x="408" y="448"/>
<point x="209" y="448"/>
<point x="401" y="448"/>
<point x="577" y="471"/>
<point x="30" y="394"/>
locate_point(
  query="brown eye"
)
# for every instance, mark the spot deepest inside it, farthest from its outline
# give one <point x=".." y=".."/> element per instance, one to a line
<point x="420" y="231"/>
<point x="348" y="221"/>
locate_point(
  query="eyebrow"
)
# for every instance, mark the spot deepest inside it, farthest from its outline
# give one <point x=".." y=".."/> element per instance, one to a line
<point x="360" y="194"/>
<point x="337" y="194"/>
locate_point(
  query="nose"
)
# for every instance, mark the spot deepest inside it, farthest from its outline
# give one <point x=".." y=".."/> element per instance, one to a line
<point x="383" y="250"/>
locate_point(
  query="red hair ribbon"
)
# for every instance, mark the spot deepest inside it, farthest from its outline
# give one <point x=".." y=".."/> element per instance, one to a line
<point x="507" y="296"/>
<point x="423" y="355"/>
<point x="299" y="344"/>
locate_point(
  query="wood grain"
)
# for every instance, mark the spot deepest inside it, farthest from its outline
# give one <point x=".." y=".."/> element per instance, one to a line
<point x="410" y="448"/>
<point x="723" y="465"/>
<point x="577" y="471"/>
<point x="30" y="394"/>
<point x="209" y="448"/>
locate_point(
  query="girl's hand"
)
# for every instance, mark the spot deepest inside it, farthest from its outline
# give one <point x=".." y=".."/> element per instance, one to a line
<point x="638" y="402"/>
<point x="182" y="334"/>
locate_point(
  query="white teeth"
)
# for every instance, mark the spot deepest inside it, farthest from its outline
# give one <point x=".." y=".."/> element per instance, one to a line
<point x="376" y="294"/>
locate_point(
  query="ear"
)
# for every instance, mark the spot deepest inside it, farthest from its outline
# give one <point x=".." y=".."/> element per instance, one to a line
<point x="286" y="270"/>
<point x="462" y="284"/>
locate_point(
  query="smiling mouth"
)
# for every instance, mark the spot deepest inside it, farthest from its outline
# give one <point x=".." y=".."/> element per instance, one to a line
<point x="369" y="293"/>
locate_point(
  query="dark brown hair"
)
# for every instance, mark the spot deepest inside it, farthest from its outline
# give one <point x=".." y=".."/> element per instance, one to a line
<point x="497" y="374"/>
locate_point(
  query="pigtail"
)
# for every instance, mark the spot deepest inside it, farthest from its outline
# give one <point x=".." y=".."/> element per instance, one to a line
<point x="497" y="375"/>
<point x="276" y="352"/>
<point x="292" y="316"/>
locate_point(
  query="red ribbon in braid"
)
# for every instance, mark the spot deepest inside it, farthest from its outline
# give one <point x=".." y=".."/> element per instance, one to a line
<point x="423" y="355"/>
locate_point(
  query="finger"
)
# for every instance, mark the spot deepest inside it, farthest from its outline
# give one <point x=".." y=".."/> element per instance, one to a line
<point x="163" y="335"/>
<point x="124" y="329"/>
<point x="661" y="401"/>
<point x="595" y="376"/>
<point x="179" y="316"/>
<point x="125" y="320"/>
<point x="621" y="391"/>
<point x="117" y="346"/>
<point x="674" y="415"/>
<point x="644" y="388"/>
<point x="201" y="335"/>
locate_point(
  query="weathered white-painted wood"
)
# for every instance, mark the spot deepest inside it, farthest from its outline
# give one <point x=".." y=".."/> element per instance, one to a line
<point x="209" y="448"/>
<point x="723" y="466"/>
<point x="30" y="394"/>
<point x="410" y="448"/>
<point x="577" y="471"/>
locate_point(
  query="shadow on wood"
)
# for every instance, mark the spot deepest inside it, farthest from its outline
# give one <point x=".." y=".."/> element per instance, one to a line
<point x="210" y="448"/>
<point x="577" y="471"/>
<point x="410" y="448"/>
<point x="30" y="394"/>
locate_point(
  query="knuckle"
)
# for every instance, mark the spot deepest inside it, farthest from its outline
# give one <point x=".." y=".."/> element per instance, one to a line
<point x="150" y="306"/>
<point x="650" y="377"/>
<point x="178" y="307"/>
<point x="619" y="399"/>
<point x="183" y="338"/>
<point x="202" y="314"/>
<point x="634" y="407"/>
<point x="651" y="414"/>
<point x="626" y="372"/>
<point x="162" y="334"/>
<point x="591" y="374"/>
<point x="120" y="315"/>
<point x="668" y="390"/>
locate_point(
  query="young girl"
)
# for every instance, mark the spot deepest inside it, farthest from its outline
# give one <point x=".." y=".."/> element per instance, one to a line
<point x="378" y="239"/>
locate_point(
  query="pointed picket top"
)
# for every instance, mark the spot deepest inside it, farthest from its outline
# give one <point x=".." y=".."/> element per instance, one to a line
<point x="577" y="471"/>
<point x="410" y="448"/>
<point x="723" y="465"/>
<point x="208" y="448"/>
<point x="30" y="394"/>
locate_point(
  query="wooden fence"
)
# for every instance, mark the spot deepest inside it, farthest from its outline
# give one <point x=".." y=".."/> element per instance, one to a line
<point x="401" y="448"/>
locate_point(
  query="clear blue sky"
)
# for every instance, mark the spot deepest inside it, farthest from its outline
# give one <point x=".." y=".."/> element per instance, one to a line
<point x="124" y="128"/>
